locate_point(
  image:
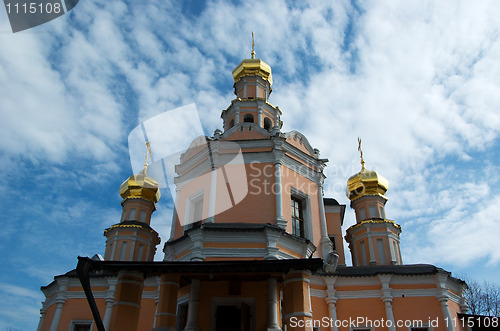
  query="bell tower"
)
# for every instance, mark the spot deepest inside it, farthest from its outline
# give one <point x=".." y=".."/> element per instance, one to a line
<point x="252" y="86"/>
<point x="373" y="240"/>
<point x="133" y="239"/>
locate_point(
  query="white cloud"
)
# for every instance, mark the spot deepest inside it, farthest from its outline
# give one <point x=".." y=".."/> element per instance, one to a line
<point x="20" y="306"/>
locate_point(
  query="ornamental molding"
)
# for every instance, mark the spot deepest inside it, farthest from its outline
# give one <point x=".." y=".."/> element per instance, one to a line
<point x="374" y="222"/>
<point x="318" y="293"/>
<point x="192" y="245"/>
<point x="298" y="136"/>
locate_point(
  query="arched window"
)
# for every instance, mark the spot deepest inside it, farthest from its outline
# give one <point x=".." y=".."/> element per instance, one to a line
<point x="231" y="124"/>
<point x="248" y="118"/>
<point x="267" y="124"/>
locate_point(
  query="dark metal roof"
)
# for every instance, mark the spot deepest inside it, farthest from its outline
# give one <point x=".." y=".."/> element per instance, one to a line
<point x="330" y="202"/>
<point x="107" y="268"/>
<point x="110" y="268"/>
<point x="197" y="267"/>
<point x="373" y="270"/>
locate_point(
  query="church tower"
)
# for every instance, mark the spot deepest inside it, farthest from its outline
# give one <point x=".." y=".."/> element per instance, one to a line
<point x="254" y="244"/>
<point x="373" y="240"/>
<point x="133" y="239"/>
<point x="250" y="187"/>
<point x="252" y="86"/>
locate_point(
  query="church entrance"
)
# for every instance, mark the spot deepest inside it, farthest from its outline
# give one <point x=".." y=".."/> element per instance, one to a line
<point x="233" y="317"/>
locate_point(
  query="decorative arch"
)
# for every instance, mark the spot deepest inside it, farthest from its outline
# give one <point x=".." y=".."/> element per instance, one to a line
<point x="248" y="118"/>
<point x="268" y="125"/>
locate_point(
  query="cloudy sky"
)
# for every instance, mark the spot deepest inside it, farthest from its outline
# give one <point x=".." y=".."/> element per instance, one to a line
<point x="418" y="81"/>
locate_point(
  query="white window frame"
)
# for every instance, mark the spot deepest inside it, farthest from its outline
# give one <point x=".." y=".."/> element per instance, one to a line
<point x="306" y="211"/>
<point x="188" y="215"/>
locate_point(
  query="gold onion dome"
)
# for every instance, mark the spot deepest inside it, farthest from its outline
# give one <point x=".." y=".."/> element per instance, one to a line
<point x="140" y="186"/>
<point x="253" y="67"/>
<point x="365" y="182"/>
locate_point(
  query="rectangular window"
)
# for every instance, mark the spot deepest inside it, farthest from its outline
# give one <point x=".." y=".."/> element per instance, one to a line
<point x="363" y="252"/>
<point x="80" y="326"/>
<point x="297" y="217"/>
<point x="123" y="251"/>
<point x="140" y="251"/>
<point x="131" y="214"/>
<point x="362" y="214"/>
<point x="197" y="210"/>
<point x="396" y="255"/>
<point x="142" y="216"/>
<point x="373" y="211"/>
<point x="382" y="213"/>
<point x="194" y="211"/>
<point x="381" y="252"/>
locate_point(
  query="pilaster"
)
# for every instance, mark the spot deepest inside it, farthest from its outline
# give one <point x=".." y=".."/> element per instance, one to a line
<point x="280" y="220"/>
<point x="386" y="297"/>
<point x="127" y="307"/>
<point x="43" y="311"/>
<point x="272" y="305"/>
<point x="331" y="300"/>
<point x="60" y="301"/>
<point x="194" y="301"/>
<point x="296" y="300"/>
<point x="167" y="303"/>
<point x="326" y="244"/>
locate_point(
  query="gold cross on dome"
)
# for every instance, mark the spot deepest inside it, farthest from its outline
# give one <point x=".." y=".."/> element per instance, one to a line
<point x="148" y="153"/>
<point x="253" y="47"/>
<point x="361" y="154"/>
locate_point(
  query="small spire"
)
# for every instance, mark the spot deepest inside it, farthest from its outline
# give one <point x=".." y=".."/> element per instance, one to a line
<point x="361" y="155"/>
<point x="148" y="153"/>
<point x="253" y="47"/>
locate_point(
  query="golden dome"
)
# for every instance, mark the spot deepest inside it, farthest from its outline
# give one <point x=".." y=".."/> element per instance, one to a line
<point x="366" y="182"/>
<point x="253" y="67"/>
<point x="140" y="186"/>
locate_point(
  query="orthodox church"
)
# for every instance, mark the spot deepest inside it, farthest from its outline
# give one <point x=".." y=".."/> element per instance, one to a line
<point x="254" y="244"/>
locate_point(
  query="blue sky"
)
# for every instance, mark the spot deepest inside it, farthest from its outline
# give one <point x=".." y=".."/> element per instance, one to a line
<point x="418" y="81"/>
